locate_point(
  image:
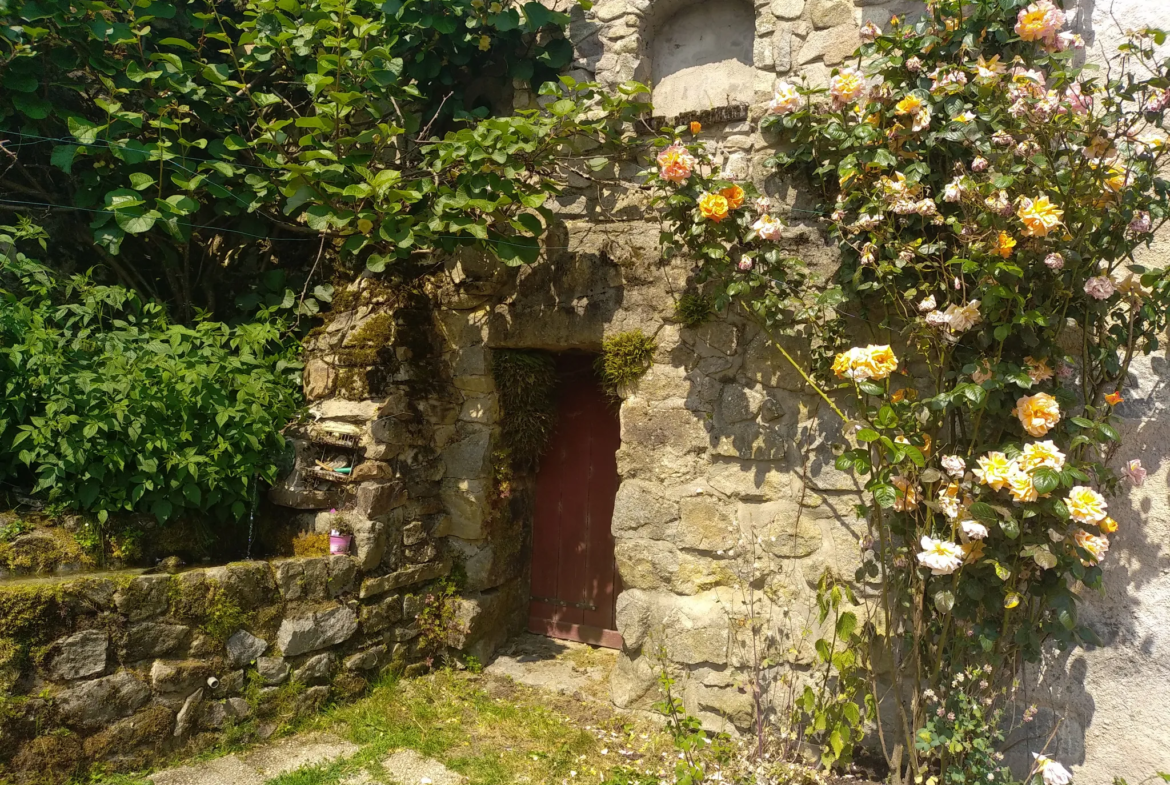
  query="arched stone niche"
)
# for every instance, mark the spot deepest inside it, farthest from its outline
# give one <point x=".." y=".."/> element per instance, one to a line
<point x="701" y="55"/>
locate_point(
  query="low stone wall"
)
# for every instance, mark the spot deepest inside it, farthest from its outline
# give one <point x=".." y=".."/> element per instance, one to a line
<point x="115" y="672"/>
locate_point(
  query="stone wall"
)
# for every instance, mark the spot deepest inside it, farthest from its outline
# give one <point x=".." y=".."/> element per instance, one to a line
<point x="120" y="671"/>
<point x="727" y="458"/>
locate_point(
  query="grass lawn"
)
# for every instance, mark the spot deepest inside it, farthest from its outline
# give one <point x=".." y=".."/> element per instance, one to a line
<point x="488" y="728"/>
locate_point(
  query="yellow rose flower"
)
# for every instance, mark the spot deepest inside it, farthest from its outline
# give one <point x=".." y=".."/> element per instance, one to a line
<point x="1108" y="526"/>
<point x="734" y="197"/>
<point x="714" y="207"/>
<point x="1085" y="505"/>
<point x="879" y="362"/>
<point x="696" y="127"/>
<point x="1021" y="487"/>
<point x="908" y="105"/>
<point x="1038" y="370"/>
<point x="1039" y="215"/>
<point x="871" y="363"/>
<point x="1037" y="413"/>
<point x="1096" y="546"/>
<point x="1041" y="454"/>
<point x="993" y="470"/>
<point x="1004" y="244"/>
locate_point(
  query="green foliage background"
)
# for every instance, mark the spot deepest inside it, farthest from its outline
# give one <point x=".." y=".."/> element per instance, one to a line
<point x="109" y="406"/>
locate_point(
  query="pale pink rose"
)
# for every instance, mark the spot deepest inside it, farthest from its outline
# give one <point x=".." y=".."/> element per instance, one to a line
<point x="954" y="465"/>
<point x="746" y="263"/>
<point x="1134" y="472"/>
<point x="763" y="205"/>
<point x="1141" y="223"/>
<point x="1054" y="261"/>
<point x="1099" y="288"/>
<point x="929" y="304"/>
<point x="676" y="164"/>
<point x="786" y="100"/>
<point x="768" y="228"/>
<point x="980" y="164"/>
<point x="1069" y="40"/>
<point x="846" y="86"/>
<point x="913" y="65"/>
<point x="1002" y="138"/>
<point x="869" y="32"/>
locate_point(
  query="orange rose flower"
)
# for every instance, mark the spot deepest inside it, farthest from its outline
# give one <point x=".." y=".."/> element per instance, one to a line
<point x="714" y="207"/>
<point x="696" y="127"/>
<point x="1113" y="398"/>
<point x="1038" y="413"/>
<point x="734" y="197"/>
<point x="1004" y="244"/>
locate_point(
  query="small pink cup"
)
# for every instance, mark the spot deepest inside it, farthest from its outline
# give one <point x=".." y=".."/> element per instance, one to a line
<point x="339" y="544"/>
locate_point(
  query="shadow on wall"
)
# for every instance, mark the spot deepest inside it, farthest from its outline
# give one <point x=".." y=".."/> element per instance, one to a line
<point x="701" y="57"/>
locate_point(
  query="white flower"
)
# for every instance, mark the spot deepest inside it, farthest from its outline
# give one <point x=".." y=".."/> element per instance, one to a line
<point x="954" y="465"/>
<point x="786" y="100"/>
<point x="937" y="319"/>
<point x="954" y="190"/>
<point x="929" y="304"/>
<point x="942" y="557"/>
<point x="1054" y="261"/>
<point x="1053" y="772"/>
<point x="963" y="318"/>
<point x="974" y="529"/>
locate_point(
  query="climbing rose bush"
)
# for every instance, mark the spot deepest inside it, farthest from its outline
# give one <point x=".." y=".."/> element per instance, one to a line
<point x="988" y="195"/>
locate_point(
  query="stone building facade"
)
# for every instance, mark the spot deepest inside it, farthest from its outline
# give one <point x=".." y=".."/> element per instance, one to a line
<point x="726" y="458"/>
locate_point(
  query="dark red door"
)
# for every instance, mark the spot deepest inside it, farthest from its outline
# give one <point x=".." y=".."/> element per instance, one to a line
<point x="574" y="578"/>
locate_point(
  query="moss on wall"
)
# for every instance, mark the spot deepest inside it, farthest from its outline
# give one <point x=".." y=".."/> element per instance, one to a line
<point x="624" y="359"/>
<point x="526" y="382"/>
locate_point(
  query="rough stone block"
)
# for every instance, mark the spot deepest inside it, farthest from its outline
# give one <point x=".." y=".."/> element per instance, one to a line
<point x="301" y="579"/>
<point x="316" y="631"/>
<point x="830" y="13"/>
<point x="217" y="713"/>
<point x="832" y="46"/>
<point x="243" y="647"/>
<point x="179" y="675"/>
<point x="787" y="9"/>
<point x="372" y="587"/>
<point x="143" y="597"/>
<point x="467" y="503"/>
<point x="413" y="533"/>
<point x="467" y="458"/>
<point x="273" y="670"/>
<point x="97" y="703"/>
<point x="378" y="499"/>
<point x="147" y="640"/>
<point x="317" y="669"/>
<point x="785" y="529"/>
<point x="365" y="660"/>
<point x="188" y="717"/>
<point x="706" y="525"/>
<point x="640" y="510"/>
<point x="381" y="615"/>
<point x="342" y="571"/>
<point x="79" y="656"/>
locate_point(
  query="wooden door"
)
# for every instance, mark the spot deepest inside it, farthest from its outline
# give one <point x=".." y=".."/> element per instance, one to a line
<point x="574" y="578"/>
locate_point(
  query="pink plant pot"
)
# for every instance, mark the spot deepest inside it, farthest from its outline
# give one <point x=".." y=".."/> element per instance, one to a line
<point x="339" y="544"/>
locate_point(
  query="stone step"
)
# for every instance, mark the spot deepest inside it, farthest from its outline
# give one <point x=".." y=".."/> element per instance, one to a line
<point x="262" y="764"/>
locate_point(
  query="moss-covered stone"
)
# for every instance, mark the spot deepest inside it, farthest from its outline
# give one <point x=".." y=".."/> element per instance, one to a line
<point x="48" y="760"/>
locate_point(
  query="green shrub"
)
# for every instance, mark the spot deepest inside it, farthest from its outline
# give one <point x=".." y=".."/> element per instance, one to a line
<point x="693" y="309"/>
<point x="108" y="406"/>
<point x="624" y="359"/>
